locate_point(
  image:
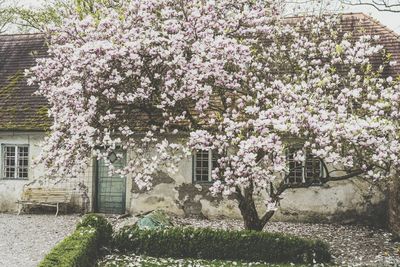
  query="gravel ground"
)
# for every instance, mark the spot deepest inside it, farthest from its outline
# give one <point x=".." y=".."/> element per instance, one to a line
<point x="351" y="245"/>
<point x="25" y="239"/>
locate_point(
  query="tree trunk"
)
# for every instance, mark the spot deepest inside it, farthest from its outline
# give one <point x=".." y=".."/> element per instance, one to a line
<point x="247" y="207"/>
<point x="394" y="205"/>
<point x="250" y="215"/>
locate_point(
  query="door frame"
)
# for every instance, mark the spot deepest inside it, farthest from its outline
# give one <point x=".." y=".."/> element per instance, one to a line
<point x="95" y="195"/>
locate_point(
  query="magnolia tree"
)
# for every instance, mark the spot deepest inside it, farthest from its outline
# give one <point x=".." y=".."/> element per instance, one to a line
<point x="163" y="78"/>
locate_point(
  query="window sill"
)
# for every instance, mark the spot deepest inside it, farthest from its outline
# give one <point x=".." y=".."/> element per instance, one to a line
<point x="304" y="185"/>
<point x="203" y="182"/>
<point x="14" y="179"/>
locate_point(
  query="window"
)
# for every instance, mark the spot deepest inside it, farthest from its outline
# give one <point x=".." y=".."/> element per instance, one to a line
<point x="308" y="171"/>
<point x="15" y="162"/>
<point x="203" y="164"/>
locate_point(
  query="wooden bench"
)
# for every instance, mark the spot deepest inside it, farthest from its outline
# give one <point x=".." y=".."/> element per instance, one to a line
<point x="50" y="197"/>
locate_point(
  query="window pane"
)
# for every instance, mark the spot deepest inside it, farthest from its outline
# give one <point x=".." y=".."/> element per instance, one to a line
<point x="308" y="171"/>
<point x="9" y="162"/>
<point x="214" y="160"/>
<point x="16" y="161"/>
<point x="312" y="169"/>
<point x="295" y="168"/>
<point x="10" y="151"/>
<point x="9" y="173"/>
<point x="23" y="162"/>
<point x="201" y="166"/>
<point x="205" y="164"/>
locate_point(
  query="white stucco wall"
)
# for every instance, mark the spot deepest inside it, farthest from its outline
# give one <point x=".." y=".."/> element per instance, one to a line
<point x="11" y="190"/>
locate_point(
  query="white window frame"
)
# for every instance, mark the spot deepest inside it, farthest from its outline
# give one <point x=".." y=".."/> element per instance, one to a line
<point x="303" y="168"/>
<point x="3" y="164"/>
<point x="210" y="167"/>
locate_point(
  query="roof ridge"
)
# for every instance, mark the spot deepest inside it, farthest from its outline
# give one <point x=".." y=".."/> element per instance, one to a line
<point x="360" y="15"/>
<point x="324" y="14"/>
<point x="22" y="34"/>
<point x="378" y="23"/>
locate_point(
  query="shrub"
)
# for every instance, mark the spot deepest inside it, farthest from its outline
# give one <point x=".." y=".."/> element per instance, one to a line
<point x="77" y="250"/>
<point x="100" y="223"/>
<point x="219" y="244"/>
<point x="81" y="248"/>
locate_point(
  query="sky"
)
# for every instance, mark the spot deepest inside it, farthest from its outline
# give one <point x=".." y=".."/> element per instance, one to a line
<point x="389" y="19"/>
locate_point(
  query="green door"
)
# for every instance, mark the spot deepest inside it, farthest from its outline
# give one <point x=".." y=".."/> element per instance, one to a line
<point x="110" y="189"/>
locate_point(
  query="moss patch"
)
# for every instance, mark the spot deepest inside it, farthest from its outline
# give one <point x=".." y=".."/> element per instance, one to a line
<point x="20" y="116"/>
<point x="43" y="111"/>
<point x="7" y="90"/>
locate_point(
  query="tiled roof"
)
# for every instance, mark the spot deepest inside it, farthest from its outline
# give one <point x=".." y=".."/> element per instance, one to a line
<point x="21" y="110"/>
<point x="361" y="24"/>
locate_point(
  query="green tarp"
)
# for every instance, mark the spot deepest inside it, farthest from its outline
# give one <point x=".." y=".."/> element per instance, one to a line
<point x="155" y="219"/>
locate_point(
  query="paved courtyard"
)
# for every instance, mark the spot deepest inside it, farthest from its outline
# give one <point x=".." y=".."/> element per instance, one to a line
<point x="26" y="239"/>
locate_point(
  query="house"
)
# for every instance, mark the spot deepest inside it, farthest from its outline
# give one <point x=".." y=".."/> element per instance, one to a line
<point x="24" y="121"/>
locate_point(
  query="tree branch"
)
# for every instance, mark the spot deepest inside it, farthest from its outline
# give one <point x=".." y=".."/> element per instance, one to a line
<point x="347" y="176"/>
<point x="378" y="5"/>
<point x="275" y="193"/>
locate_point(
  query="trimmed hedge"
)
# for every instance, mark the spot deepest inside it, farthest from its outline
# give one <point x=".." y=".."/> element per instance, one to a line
<point x="78" y="249"/>
<point x="101" y="224"/>
<point x="219" y="244"/>
<point x="81" y="248"/>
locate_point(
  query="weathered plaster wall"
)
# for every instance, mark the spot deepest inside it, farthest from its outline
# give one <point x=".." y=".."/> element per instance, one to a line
<point x="342" y="201"/>
<point x="11" y="190"/>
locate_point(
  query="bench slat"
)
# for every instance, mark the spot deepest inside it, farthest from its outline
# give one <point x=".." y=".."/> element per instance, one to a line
<point x="52" y="197"/>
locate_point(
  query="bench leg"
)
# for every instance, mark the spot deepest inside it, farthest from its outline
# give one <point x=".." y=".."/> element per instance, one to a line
<point x="19" y="208"/>
<point x="57" y="209"/>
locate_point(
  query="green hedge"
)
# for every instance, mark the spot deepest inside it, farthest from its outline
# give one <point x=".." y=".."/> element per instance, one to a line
<point x="81" y="248"/>
<point x="78" y="249"/>
<point x="101" y="224"/>
<point x="219" y="244"/>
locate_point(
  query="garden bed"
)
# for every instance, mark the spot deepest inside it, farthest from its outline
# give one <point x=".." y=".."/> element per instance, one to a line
<point x="216" y="244"/>
<point x="133" y="260"/>
<point x="349" y="244"/>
